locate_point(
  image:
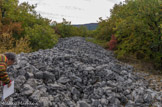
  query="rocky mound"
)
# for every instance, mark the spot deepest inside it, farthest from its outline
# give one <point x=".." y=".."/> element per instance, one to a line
<point x="76" y="73"/>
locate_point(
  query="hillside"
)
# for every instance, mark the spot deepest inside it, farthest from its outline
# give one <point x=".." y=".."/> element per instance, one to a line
<point x="90" y="26"/>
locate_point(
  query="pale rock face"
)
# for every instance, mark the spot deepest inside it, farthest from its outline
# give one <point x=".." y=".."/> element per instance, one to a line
<point x="77" y="73"/>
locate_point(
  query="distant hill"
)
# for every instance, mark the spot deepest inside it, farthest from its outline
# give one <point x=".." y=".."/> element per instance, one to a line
<point x="90" y="26"/>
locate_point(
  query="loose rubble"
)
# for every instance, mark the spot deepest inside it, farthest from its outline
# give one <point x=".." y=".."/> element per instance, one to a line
<point x="76" y="73"/>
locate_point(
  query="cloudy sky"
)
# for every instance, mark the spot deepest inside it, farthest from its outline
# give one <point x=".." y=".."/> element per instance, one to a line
<point x="76" y="11"/>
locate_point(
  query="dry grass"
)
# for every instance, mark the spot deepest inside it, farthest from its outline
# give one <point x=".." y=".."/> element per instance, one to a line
<point x="141" y="66"/>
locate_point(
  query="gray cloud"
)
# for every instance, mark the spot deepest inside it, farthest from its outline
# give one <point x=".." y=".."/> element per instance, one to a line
<point x="72" y="8"/>
<point x="113" y="1"/>
<point x="56" y="16"/>
<point x="88" y="0"/>
<point x="47" y="13"/>
<point x="77" y="11"/>
<point x="33" y="1"/>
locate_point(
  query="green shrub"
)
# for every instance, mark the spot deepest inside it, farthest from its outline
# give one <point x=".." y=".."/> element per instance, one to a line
<point x="41" y="37"/>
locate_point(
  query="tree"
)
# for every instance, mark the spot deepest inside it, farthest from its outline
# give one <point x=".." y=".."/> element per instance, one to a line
<point x="65" y="29"/>
<point x="139" y="31"/>
<point x="41" y="37"/>
<point x="136" y="24"/>
<point x="18" y="21"/>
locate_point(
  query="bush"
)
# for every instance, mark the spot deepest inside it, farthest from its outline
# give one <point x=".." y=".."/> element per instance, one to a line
<point x="137" y="27"/>
<point x="41" y="37"/>
<point x="112" y="43"/>
<point x="101" y="43"/>
<point x="9" y="44"/>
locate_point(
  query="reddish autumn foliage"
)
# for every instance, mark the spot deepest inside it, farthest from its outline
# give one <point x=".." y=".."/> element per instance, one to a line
<point x="12" y="28"/>
<point x="112" y="43"/>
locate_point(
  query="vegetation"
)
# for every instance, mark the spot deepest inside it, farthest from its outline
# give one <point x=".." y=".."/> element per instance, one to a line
<point x="112" y="43"/>
<point x="21" y="24"/>
<point x="9" y="44"/>
<point x="65" y="29"/>
<point x="102" y="43"/>
<point x="137" y="26"/>
<point x="89" y="26"/>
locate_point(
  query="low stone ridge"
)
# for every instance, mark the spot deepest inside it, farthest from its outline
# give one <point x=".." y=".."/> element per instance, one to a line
<point x="76" y="73"/>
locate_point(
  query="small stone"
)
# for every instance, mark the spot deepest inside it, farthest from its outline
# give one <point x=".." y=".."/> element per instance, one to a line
<point x="29" y="75"/>
<point x="56" y="86"/>
<point x="126" y="92"/>
<point x="44" y="101"/>
<point x="35" y="96"/>
<point x="32" y="82"/>
<point x="48" y="75"/>
<point x="95" y="103"/>
<point x="123" y="72"/>
<point x="27" y="90"/>
<point x="130" y="104"/>
<point x="63" y="80"/>
<point x="157" y="104"/>
<point x="89" y="69"/>
<point x="139" y="99"/>
<point x="39" y="75"/>
<point x="82" y="104"/>
<point x="104" y="101"/>
<point x="117" y="102"/>
<point x="148" y="98"/>
<point x="75" y="91"/>
<point x="123" y="99"/>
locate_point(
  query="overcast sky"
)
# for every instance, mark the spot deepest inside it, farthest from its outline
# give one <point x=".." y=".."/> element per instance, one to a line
<point x="76" y="11"/>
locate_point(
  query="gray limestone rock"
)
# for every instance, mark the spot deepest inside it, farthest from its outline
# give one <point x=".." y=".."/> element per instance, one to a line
<point x="148" y="98"/>
<point x="48" y="75"/>
<point x="39" y="75"/>
<point x="27" y="90"/>
<point x="35" y="96"/>
<point x="77" y="73"/>
<point x="63" y="80"/>
<point x="29" y="75"/>
<point x="44" y="102"/>
<point x="82" y="104"/>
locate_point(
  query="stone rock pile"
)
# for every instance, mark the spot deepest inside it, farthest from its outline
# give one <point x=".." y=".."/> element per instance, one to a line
<point x="76" y="73"/>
